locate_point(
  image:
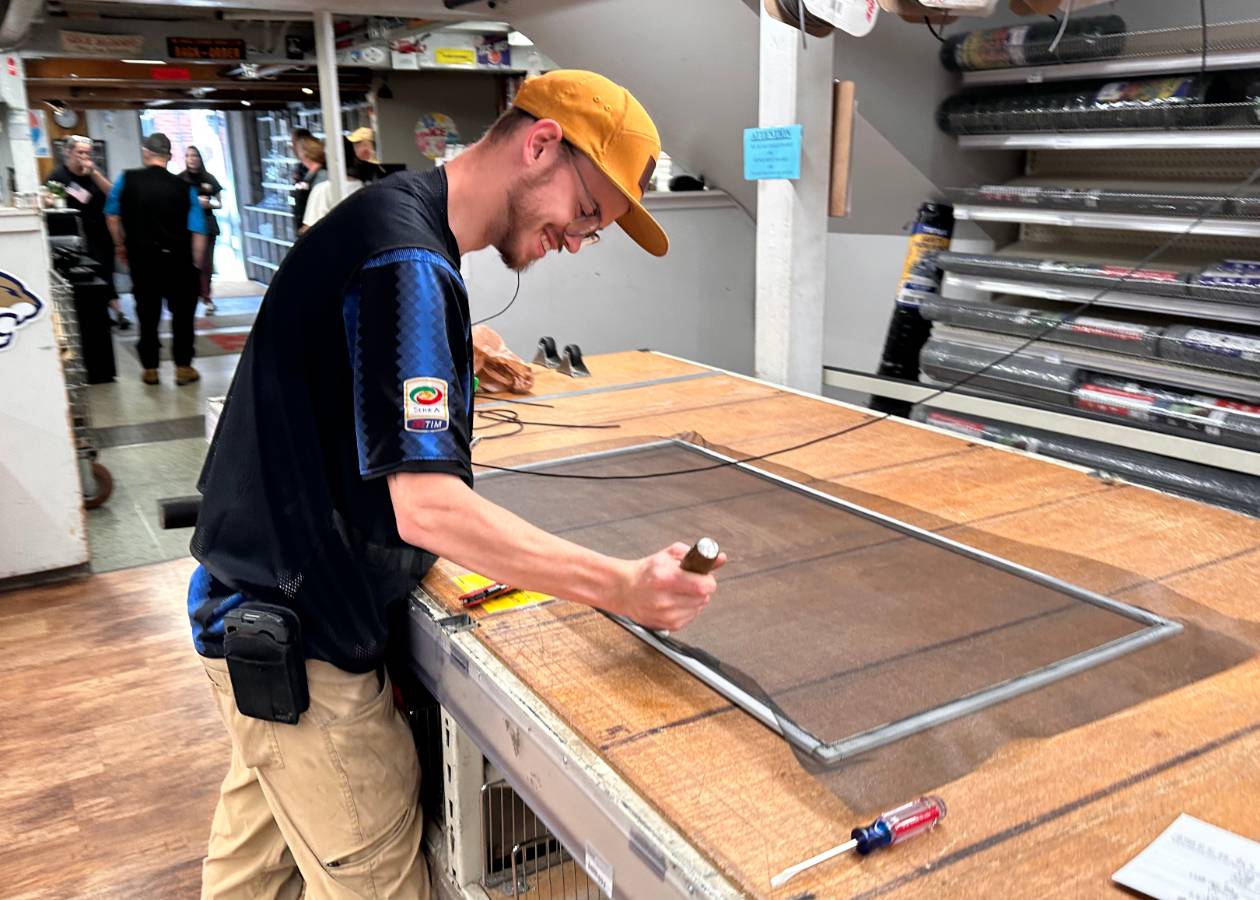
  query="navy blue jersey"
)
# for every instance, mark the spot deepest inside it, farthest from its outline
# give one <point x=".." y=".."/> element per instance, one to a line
<point x="359" y="365"/>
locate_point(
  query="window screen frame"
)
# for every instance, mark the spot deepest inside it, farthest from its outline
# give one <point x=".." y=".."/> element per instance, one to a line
<point x="1156" y="628"/>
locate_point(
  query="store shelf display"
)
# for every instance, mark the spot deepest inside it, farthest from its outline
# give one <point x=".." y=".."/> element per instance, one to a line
<point x="1174" y="102"/>
<point x="1221" y="487"/>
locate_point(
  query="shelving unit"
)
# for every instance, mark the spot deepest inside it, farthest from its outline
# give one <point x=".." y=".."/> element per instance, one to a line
<point x="1225" y="227"/>
<point x="1205" y="139"/>
<point x="1231" y="45"/>
<point x="957" y="285"/>
<point x="1095" y="195"/>
<point x="269" y="229"/>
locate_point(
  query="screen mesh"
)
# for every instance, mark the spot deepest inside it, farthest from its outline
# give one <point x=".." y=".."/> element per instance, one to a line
<point x="840" y="621"/>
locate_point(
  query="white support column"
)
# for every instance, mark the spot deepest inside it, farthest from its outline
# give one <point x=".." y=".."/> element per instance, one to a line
<point x="795" y="88"/>
<point x="330" y="103"/>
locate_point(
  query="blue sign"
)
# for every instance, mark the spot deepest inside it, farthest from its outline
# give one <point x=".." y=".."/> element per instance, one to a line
<point x="772" y="152"/>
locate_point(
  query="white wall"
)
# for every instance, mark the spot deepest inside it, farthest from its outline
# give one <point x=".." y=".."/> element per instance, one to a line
<point x="470" y="98"/>
<point x="120" y="129"/>
<point x="695" y="302"/>
<point x="692" y="64"/>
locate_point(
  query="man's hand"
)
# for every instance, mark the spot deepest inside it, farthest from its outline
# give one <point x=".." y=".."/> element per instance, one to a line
<point x="663" y="596"/>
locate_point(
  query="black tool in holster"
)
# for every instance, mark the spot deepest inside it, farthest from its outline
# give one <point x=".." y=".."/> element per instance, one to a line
<point x="263" y="646"/>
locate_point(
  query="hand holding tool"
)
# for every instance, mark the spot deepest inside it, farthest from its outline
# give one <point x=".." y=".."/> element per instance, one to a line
<point x="700" y="559"/>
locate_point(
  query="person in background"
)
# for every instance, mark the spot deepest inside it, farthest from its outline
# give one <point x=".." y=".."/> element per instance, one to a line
<point x="86" y="189"/>
<point x="208" y="191"/>
<point x="320" y="203"/>
<point x="367" y="166"/>
<point x="309" y="151"/>
<point x="159" y="230"/>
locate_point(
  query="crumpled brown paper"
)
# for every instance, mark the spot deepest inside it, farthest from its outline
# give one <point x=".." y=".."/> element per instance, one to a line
<point x="497" y="368"/>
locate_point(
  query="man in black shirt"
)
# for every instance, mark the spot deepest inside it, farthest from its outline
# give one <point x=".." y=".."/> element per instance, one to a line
<point x="342" y="466"/>
<point x="159" y="229"/>
<point x="86" y="188"/>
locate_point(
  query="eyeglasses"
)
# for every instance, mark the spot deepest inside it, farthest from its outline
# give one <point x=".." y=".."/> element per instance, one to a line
<point x="584" y="229"/>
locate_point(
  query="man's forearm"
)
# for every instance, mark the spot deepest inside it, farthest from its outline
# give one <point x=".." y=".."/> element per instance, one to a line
<point x="444" y="516"/>
<point x="116" y="232"/>
<point x="102" y="182"/>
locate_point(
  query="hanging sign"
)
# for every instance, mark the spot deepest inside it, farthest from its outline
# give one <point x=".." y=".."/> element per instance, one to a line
<point x="82" y="43"/>
<point x="39" y="133"/>
<point x="434" y="132"/>
<point x="18" y="308"/>
<point x="772" y="153"/>
<point x="455" y="56"/>
<point x="217" y="49"/>
<point x="493" y="50"/>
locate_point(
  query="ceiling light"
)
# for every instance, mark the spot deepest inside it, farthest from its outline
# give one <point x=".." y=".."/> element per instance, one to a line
<point x="144" y="62"/>
<point x="307" y="91"/>
<point x="246" y="103"/>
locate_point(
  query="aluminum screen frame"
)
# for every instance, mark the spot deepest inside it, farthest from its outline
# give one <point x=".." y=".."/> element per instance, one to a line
<point x="832" y="753"/>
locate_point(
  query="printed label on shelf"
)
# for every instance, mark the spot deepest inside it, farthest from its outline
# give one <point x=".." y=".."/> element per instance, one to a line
<point x="1123" y="331"/>
<point x="600" y="870"/>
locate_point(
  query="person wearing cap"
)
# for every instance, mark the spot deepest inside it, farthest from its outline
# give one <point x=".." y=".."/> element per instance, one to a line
<point x="159" y="229"/>
<point x="367" y="167"/>
<point x="342" y="468"/>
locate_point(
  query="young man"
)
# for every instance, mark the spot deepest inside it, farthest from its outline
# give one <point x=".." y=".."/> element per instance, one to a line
<point x="86" y="189"/>
<point x="159" y="230"/>
<point x="342" y="467"/>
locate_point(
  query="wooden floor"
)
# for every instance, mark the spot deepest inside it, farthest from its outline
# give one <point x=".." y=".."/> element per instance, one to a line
<point x="111" y="751"/>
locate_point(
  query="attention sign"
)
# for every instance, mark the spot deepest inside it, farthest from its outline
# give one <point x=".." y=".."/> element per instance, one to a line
<point x="217" y="49"/>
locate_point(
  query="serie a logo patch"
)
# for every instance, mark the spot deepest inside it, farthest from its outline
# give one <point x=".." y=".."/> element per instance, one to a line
<point x="425" y="406"/>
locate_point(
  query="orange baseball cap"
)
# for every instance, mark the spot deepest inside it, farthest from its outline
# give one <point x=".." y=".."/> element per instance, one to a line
<point x="604" y="121"/>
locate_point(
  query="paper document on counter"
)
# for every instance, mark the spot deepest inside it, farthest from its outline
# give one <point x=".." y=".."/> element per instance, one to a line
<point x="1193" y="860"/>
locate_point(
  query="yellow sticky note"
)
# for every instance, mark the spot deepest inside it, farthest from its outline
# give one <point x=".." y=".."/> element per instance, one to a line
<point x="455" y="56"/>
<point x="515" y="600"/>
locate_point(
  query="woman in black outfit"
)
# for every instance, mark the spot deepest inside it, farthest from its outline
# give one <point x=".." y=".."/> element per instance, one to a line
<point x="208" y="190"/>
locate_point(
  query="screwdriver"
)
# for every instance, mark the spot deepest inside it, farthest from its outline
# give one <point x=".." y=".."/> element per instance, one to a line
<point x="897" y="825"/>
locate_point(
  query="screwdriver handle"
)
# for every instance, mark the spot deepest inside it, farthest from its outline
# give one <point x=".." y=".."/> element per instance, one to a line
<point x="702" y="557"/>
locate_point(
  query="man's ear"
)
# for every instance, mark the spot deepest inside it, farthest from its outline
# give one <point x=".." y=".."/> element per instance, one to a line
<point x="542" y="139"/>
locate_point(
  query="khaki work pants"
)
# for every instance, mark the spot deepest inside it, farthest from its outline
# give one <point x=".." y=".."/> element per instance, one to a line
<point x="332" y="802"/>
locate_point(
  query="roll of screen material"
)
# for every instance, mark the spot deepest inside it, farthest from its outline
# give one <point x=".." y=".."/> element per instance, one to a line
<point x="1083" y="331"/>
<point x="1229" y="281"/>
<point x="1211" y="348"/>
<point x="1072" y="199"/>
<point x="1221" y="420"/>
<point x="1221" y="487"/>
<point x="1067" y="273"/>
<point x="1092" y="37"/>
<point x="1020" y="377"/>
<point x="1180" y="101"/>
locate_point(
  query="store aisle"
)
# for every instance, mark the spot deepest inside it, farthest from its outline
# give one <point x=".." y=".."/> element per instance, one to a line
<point x="152" y="438"/>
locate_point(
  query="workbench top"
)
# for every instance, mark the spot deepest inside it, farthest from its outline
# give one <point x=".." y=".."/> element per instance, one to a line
<point x="1045" y="816"/>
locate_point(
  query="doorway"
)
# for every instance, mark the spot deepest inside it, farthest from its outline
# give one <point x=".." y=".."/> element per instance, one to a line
<point x="206" y="129"/>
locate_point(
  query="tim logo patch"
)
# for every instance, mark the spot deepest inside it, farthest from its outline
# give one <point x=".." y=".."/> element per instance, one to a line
<point x="425" y="406"/>
<point x="18" y="308"/>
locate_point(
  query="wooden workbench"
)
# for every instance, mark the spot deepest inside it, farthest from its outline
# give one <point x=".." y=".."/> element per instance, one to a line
<point x="1049" y="816"/>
